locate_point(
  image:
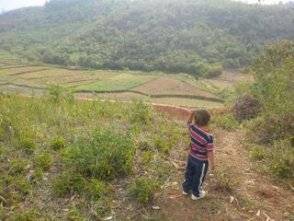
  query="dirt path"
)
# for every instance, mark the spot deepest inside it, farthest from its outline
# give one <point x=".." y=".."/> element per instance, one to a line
<point x="252" y="196"/>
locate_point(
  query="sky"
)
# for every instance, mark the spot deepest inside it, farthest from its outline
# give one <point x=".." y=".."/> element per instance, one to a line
<point x="6" y="5"/>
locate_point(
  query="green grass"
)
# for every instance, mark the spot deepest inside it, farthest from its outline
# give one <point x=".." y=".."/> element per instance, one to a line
<point x="143" y="189"/>
<point x="123" y="81"/>
<point x="54" y="148"/>
<point x="227" y="122"/>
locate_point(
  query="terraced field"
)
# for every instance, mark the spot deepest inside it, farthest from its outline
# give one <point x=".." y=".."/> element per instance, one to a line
<point x="180" y="90"/>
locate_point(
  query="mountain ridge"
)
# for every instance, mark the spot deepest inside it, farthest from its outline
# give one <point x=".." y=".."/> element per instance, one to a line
<point x="196" y="37"/>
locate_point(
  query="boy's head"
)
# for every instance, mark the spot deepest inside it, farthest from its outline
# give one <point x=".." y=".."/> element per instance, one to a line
<point x="202" y="118"/>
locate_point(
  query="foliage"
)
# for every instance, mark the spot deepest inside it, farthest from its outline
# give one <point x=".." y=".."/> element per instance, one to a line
<point x="246" y="107"/>
<point x="269" y="127"/>
<point x="273" y="128"/>
<point x="257" y="153"/>
<point x="281" y="159"/>
<point x="143" y="189"/>
<point x="68" y="183"/>
<point x="58" y="143"/>
<point x="96" y="189"/>
<point x="145" y="35"/>
<point x="43" y="161"/>
<point x="78" y="151"/>
<point x="224" y="182"/>
<point x="106" y="155"/>
<point x="227" y="121"/>
<point x="141" y="113"/>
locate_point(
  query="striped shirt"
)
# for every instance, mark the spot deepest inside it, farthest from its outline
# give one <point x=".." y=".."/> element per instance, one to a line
<point x="201" y="142"/>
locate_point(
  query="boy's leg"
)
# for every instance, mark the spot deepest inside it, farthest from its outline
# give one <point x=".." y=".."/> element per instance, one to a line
<point x="187" y="185"/>
<point x="198" y="178"/>
<point x="205" y="173"/>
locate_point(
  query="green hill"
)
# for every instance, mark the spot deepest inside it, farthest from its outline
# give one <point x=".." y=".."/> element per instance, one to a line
<point x="196" y="37"/>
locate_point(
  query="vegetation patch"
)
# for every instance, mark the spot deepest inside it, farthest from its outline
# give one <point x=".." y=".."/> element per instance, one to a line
<point x="117" y="83"/>
<point x="227" y="122"/>
<point x="143" y="189"/>
<point x="105" y="155"/>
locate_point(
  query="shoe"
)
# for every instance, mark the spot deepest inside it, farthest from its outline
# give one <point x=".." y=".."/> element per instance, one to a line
<point x="185" y="193"/>
<point x="201" y="195"/>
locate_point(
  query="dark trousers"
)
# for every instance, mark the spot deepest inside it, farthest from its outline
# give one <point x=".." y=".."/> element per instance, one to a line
<point x="195" y="174"/>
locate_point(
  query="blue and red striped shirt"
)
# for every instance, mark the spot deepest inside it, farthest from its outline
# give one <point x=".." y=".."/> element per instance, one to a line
<point x="201" y="142"/>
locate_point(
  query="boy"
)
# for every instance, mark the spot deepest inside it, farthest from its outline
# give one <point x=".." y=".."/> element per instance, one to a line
<point x="201" y="154"/>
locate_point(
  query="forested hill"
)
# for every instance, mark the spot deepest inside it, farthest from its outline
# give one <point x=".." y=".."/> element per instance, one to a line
<point x="197" y="37"/>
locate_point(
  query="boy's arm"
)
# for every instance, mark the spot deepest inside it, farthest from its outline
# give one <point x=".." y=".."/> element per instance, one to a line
<point x="190" y="120"/>
<point x="210" y="155"/>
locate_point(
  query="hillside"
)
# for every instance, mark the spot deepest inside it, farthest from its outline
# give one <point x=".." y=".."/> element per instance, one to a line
<point x="195" y="37"/>
<point x="64" y="159"/>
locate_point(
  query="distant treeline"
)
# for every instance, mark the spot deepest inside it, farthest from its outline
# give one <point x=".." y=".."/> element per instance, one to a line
<point x="197" y="37"/>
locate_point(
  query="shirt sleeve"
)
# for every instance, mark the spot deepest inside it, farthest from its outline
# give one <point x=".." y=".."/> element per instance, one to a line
<point x="210" y="144"/>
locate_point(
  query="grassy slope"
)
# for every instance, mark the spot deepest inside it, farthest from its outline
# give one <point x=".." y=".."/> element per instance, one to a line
<point x="51" y="149"/>
<point x="39" y="137"/>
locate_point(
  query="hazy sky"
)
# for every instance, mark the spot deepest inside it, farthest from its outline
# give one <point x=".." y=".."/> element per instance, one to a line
<point x="6" y="5"/>
<point x="13" y="4"/>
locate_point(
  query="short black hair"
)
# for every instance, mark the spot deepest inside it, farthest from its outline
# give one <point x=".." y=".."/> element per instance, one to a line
<point x="202" y="117"/>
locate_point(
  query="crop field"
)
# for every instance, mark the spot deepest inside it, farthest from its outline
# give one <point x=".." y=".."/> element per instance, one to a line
<point x="154" y="87"/>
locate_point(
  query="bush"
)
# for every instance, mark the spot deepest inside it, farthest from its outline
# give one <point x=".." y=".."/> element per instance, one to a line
<point x="140" y="113"/>
<point x="214" y="71"/>
<point x="21" y="185"/>
<point x="28" y="144"/>
<point x="68" y="183"/>
<point x="56" y="93"/>
<point x="227" y="122"/>
<point x="96" y="189"/>
<point x="17" y="166"/>
<point x="257" y="153"/>
<point x="281" y="159"/>
<point x="268" y="128"/>
<point x="105" y="156"/>
<point x="58" y="143"/>
<point x="224" y="182"/>
<point x="143" y="189"/>
<point x="246" y="107"/>
<point x="43" y="161"/>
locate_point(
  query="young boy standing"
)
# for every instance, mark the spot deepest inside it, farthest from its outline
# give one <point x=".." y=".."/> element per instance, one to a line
<point x="201" y="154"/>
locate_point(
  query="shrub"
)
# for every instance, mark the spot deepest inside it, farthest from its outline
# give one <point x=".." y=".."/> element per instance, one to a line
<point x="58" y="143"/>
<point x="224" y="182"/>
<point x="106" y="155"/>
<point x="43" y="161"/>
<point x="140" y="113"/>
<point x="257" y="153"/>
<point x="27" y="144"/>
<point x="68" y="183"/>
<point x="214" y="71"/>
<point x="96" y="189"/>
<point x="17" y="166"/>
<point x="227" y="122"/>
<point x="281" y="159"/>
<point x="246" y="107"/>
<point x="268" y="128"/>
<point x="147" y="157"/>
<point x="143" y="189"/>
<point x="21" y="185"/>
<point x="56" y="93"/>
